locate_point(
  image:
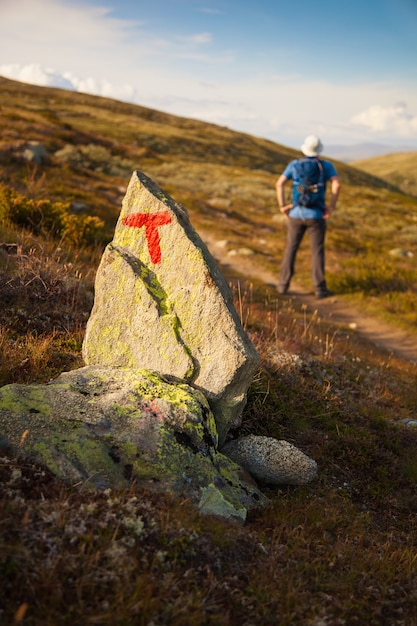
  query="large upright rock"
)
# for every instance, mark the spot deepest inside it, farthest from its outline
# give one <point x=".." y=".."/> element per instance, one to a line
<point x="162" y="303"/>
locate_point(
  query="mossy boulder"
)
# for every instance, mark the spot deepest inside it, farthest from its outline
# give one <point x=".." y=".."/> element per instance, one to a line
<point x="108" y="427"/>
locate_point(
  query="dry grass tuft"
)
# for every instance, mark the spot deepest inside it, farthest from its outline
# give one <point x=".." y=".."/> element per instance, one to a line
<point x="47" y="294"/>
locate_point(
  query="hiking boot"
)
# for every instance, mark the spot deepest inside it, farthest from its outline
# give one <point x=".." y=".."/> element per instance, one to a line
<point x="323" y="293"/>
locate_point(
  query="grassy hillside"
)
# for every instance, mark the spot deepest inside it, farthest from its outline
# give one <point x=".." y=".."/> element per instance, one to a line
<point x="341" y="550"/>
<point x="399" y="169"/>
<point x="225" y="179"/>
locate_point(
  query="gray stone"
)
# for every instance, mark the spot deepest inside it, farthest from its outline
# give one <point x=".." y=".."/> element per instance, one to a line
<point x="220" y="203"/>
<point x="35" y="152"/>
<point x="271" y="461"/>
<point x="78" y="207"/>
<point x="106" y="427"/>
<point x="241" y="252"/>
<point x="400" y="252"/>
<point x="162" y="303"/>
<point x="409" y="422"/>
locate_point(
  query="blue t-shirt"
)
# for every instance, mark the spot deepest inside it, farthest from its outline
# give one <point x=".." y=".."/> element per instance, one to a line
<point x="303" y="212"/>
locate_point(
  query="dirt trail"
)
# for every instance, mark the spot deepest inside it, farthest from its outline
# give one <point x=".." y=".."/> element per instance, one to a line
<point x="381" y="334"/>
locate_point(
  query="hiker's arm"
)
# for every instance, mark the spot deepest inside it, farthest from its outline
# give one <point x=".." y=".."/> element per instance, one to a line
<point x="280" y="187"/>
<point x="335" y="190"/>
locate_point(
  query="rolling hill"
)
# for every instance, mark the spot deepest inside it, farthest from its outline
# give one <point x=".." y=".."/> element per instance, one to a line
<point x="399" y="169"/>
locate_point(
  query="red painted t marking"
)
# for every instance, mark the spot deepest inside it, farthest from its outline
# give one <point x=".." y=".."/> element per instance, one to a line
<point x="151" y="222"/>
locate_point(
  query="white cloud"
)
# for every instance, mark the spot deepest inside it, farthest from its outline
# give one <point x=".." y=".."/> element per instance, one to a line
<point x="104" y="88"/>
<point x="392" y="119"/>
<point x="47" y="77"/>
<point x="36" y="75"/>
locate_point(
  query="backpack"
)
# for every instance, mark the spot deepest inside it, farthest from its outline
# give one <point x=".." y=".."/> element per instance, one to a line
<point x="308" y="183"/>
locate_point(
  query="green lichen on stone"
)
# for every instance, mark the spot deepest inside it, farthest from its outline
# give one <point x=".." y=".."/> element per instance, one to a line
<point x="195" y="255"/>
<point x="79" y="456"/>
<point x="163" y="197"/>
<point x="121" y="342"/>
<point x="105" y="341"/>
<point x="129" y="450"/>
<point x="146" y="275"/>
<point x="128" y="409"/>
<point x="42" y="454"/>
<point x="73" y="452"/>
<point x="29" y="426"/>
<point x="193" y="470"/>
<point x="32" y="400"/>
<point x="108" y="426"/>
<point x="184" y="465"/>
<point x="178" y="394"/>
<point x="213" y="502"/>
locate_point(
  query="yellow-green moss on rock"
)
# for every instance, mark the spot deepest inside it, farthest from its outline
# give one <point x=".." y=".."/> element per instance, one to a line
<point x="107" y="426"/>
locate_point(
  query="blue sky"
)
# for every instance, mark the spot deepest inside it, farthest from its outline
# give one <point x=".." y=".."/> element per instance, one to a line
<point x="281" y="70"/>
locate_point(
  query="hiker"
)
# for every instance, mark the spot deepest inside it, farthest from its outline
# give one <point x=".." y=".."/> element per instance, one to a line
<point x="307" y="211"/>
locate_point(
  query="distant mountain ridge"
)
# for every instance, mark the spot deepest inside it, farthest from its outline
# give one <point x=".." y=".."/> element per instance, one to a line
<point x="362" y="151"/>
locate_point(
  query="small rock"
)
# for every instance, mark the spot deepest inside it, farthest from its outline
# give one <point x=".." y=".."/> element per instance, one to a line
<point x="35" y="152"/>
<point x="220" y="203"/>
<point x="271" y="461"/>
<point x="213" y="502"/>
<point x="408" y="422"/>
<point x="241" y="252"/>
<point x="401" y="252"/>
<point x="77" y="207"/>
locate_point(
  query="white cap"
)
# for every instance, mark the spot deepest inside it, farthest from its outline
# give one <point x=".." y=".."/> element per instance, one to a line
<point x="312" y="146"/>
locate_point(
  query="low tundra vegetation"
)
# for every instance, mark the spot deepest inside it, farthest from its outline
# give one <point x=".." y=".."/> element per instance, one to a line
<point x="341" y="550"/>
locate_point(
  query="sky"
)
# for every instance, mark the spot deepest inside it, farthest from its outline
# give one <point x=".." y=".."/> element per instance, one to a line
<point x="346" y="71"/>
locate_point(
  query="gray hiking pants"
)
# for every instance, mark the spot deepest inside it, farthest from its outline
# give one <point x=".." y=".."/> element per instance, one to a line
<point x="316" y="229"/>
